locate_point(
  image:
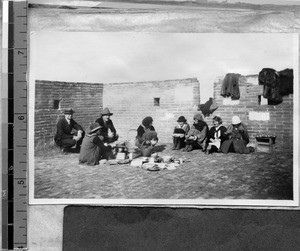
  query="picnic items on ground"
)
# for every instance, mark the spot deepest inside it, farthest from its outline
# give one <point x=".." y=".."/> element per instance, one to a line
<point x="157" y="163"/>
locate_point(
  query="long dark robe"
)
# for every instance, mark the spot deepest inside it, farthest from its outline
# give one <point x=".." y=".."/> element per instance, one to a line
<point x="238" y="139"/>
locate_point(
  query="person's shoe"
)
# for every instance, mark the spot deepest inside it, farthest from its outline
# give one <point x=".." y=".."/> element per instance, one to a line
<point x="252" y="150"/>
<point x="64" y="151"/>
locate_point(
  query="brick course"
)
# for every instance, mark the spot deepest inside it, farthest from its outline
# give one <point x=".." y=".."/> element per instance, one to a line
<point x="281" y="116"/>
<point x="85" y="98"/>
<point x="131" y="102"/>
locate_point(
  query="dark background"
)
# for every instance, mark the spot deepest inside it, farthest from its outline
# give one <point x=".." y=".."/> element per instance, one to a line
<point x="149" y="228"/>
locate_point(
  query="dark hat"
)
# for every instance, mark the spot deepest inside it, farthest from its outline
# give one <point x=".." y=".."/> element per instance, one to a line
<point x="68" y="111"/>
<point x="181" y="119"/>
<point x="106" y="111"/>
<point x="147" y="121"/>
<point x="94" y="127"/>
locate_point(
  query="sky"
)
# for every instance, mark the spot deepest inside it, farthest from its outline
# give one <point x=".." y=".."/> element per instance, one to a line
<point x="113" y="57"/>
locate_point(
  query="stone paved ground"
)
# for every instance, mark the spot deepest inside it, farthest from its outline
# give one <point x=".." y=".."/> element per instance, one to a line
<point x="216" y="176"/>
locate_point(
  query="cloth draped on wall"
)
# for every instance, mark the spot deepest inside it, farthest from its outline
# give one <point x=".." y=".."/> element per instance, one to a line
<point x="268" y="77"/>
<point x="286" y="81"/>
<point x="209" y="107"/>
<point x="230" y="87"/>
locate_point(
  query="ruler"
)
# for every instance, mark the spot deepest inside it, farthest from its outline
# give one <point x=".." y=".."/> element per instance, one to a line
<point x="14" y="125"/>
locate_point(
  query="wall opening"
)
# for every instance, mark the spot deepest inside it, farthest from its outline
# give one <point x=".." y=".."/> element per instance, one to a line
<point x="56" y="103"/>
<point x="156" y="101"/>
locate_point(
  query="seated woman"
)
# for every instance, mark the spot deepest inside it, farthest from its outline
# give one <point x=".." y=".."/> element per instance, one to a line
<point x="216" y="136"/>
<point x="180" y="131"/>
<point x="238" y="138"/>
<point x="197" y="135"/>
<point x="146" y="137"/>
<point x="92" y="146"/>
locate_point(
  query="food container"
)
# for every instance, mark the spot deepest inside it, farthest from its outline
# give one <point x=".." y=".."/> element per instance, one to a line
<point x="167" y="159"/>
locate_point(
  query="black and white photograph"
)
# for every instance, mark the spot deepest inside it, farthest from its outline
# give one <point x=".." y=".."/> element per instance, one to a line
<point x="163" y="118"/>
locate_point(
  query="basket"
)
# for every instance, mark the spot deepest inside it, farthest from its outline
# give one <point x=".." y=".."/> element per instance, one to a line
<point x="130" y="142"/>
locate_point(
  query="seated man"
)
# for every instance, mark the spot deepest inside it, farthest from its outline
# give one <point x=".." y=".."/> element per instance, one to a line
<point x="108" y="133"/>
<point x="69" y="133"/>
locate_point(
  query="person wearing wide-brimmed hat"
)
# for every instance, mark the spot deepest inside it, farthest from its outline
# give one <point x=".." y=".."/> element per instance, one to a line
<point x="179" y="133"/>
<point x="238" y="137"/>
<point x="197" y="136"/>
<point x="146" y="137"/>
<point x="92" y="147"/>
<point x="108" y="131"/>
<point x="69" y="133"/>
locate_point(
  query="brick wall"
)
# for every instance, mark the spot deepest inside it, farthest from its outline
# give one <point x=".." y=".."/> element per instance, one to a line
<point x="280" y="119"/>
<point x="84" y="98"/>
<point x="131" y="102"/>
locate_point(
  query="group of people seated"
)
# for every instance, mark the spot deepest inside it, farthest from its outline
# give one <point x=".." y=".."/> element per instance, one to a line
<point x="95" y="144"/>
<point x="218" y="138"/>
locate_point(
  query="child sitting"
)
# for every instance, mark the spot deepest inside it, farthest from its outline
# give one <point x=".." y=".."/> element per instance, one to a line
<point x="180" y="131"/>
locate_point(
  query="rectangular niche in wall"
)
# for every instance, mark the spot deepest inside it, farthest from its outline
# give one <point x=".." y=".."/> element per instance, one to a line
<point x="56" y="103"/>
<point x="156" y="101"/>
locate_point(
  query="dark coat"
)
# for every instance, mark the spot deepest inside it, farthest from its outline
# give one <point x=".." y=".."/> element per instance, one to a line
<point x="140" y="133"/>
<point x="212" y="131"/>
<point x="105" y="127"/>
<point x="91" y="149"/>
<point x="145" y="135"/>
<point x="64" y="130"/>
<point x="230" y="87"/>
<point x="268" y="77"/>
<point x="238" y="139"/>
<point x="199" y="130"/>
<point x="286" y="81"/>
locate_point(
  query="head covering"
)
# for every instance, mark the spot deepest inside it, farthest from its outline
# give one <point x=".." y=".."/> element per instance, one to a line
<point x="235" y="120"/>
<point x="106" y="111"/>
<point x="198" y="116"/>
<point x="181" y="119"/>
<point x="68" y="111"/>
<point x="147" y="121"/>
<point x="218" y="118"/>
<point x="94" y="127"/>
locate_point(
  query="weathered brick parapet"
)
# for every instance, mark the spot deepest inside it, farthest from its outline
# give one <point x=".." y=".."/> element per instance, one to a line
<point x="165" y="101"/>
<point x="258" y="116"/>
<point x="52" y="97"/>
